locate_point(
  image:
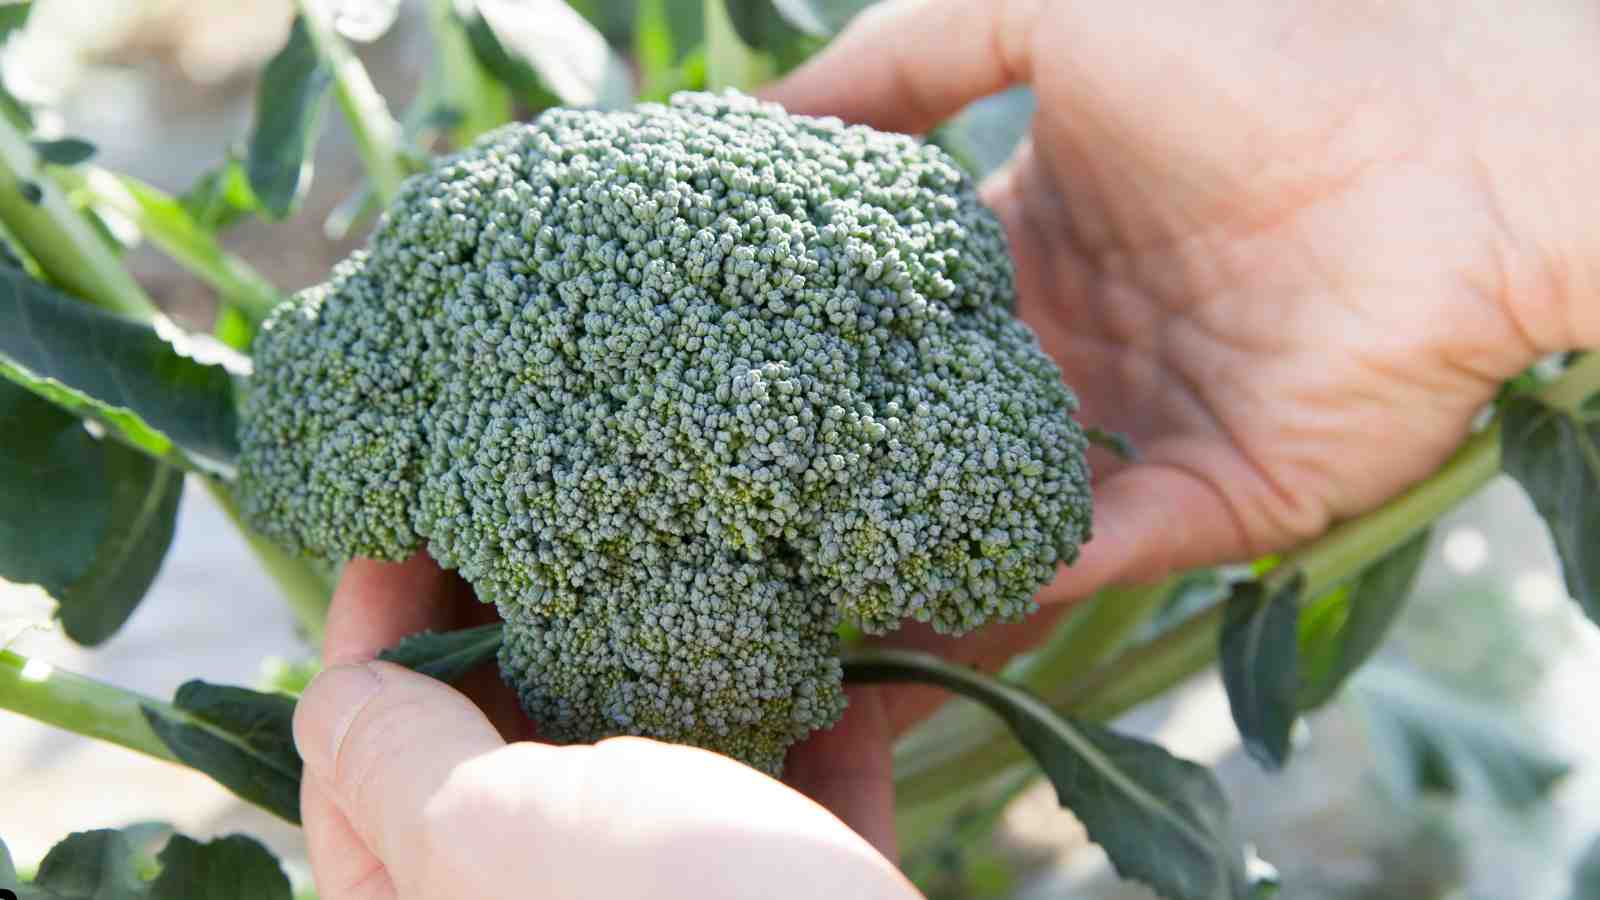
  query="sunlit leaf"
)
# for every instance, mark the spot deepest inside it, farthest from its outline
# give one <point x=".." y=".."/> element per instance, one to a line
<point x="449" y="655"/>
<point x="154" y="386"/>
<point x="565" y="53"/>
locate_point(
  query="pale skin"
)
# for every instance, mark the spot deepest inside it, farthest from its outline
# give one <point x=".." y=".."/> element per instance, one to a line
<point x="1291" y="249"/>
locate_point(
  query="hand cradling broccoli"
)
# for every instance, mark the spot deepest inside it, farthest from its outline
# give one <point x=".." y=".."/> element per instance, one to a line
<point x="678" y="389"/>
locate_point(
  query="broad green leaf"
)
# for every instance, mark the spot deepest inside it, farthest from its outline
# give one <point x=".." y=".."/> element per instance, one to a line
<point x="241" y="738"/>
<point x="64" y="151"/>
<point x="1555" y="456"/>
<point x="149" y="384"/>
<point x="447" y="655"/>
<point x="235" y="867"/>
<point x="508" y="69"/>
<point x="548" y="38"/>
<point x="762" y="25"/>
<point x="88" y="520"/>
<point x="1161" y="820"/>
<point x="1427" y="737"/>
<point x="290" y="98"/>
<point x="1258" y="656"/>
<point x="92" y="865"/>
<point x="1341" y="629"/>
<point x="818" y="18"/>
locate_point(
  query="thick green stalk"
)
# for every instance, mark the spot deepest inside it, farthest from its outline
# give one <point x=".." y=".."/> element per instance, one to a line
<point x="306" y="589"/>
<point x="41" y="692"/>
<point x="378" y="135"/>
<point x="162" y="219"/>
<point x="55" y="234"/>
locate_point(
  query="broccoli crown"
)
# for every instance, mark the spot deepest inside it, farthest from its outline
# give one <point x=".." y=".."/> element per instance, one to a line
<point x="677" y="388"/>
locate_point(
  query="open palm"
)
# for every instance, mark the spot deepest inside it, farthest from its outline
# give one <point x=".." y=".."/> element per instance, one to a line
<point x="1291" y="249"/>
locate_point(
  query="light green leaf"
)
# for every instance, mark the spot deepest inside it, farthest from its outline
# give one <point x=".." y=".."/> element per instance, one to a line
<point x="1161" y="820"/>
<point x="1259" y="661"/>
<point x="290" y="99"/>
<point x="1555" y="456"/>
<point x="151" y="385"/>
<point x="241" y="738"/>
<point x="1341" y="629"/>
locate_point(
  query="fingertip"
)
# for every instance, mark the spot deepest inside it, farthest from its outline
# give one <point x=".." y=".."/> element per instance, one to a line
<point x="330" y="703"/>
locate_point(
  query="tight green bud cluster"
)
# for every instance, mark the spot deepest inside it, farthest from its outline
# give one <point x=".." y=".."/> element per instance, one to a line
<point x="677" y="389"/>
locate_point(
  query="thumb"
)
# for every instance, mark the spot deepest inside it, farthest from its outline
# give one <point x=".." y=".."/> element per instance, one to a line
<point x="907" y="65"/>
<point x="382" y="740"/>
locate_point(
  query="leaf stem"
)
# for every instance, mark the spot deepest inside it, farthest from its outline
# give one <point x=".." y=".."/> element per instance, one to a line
<point x="59" y="238"/>
<point x="44" y="693"/>
<point x="378" y="136"/>
<point x="730" y="63"/>
<point x="163" y="220"/>
<point x="306" y="589"/>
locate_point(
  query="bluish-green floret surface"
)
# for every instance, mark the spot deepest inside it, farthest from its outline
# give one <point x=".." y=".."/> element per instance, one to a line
<point x="678" y="388"/>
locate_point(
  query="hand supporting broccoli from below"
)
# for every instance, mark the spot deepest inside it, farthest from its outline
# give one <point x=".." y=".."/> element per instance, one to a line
<point x="678" y="389"/>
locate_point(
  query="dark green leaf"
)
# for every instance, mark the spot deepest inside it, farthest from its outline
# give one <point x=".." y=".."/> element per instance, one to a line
<point x="149" y="387"/>
<point x="1556" y="458"/>
<point x="289" y="102"/>
<point x="242" y="738"/>
<point x="449" y="655"/>
<point x="1258" y="657"/>
<point x="1586" y="876"/>
<point x="31" y="192"/>
<point x="1161" y="820"/>
<point x="1427" y="737"/>
<point x="230" y="868"/>
<point x="1341" y="629"/>
<point x="64" y="151"/>
<point x="14" y="16"/>
<point x="819" y="18"/>
<point x="87" y="520"/>
<point x="92" y="865"/>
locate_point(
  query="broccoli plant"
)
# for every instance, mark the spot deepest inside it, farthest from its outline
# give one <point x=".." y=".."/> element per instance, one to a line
<point x="693" y="391"/>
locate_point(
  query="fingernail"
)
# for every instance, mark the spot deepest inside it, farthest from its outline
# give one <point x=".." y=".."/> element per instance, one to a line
<point x="328" y="708"/>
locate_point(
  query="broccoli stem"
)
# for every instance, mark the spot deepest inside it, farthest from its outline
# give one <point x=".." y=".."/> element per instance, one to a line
<point x="927" y="770"/>
<point x="306" y="589"/>
<point x="44" y="693"/>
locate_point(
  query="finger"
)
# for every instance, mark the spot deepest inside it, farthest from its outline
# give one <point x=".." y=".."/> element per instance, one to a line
<point x="344" y="868"/>
<point x="378" y="603"/>
<point x="909" y="64"/>
<point x="383" y="740"/>
<point x="849" y="769"/>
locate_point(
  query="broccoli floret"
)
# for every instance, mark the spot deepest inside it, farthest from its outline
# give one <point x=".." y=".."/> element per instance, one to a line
<point x="678" y="389"/>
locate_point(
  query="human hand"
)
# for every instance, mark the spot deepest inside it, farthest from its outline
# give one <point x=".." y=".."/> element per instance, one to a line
<point x="410" y="790"/>
<point x="1291" y="249"/>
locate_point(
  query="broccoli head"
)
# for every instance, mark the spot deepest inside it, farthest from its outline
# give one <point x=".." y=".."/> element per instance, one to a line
<point x="678" y="389"/>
